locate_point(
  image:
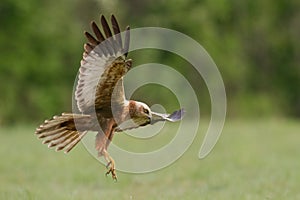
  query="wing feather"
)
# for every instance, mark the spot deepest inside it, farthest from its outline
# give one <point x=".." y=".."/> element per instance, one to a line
<point x="116" y="30"/>
<point x="106" y="28"/>
<point x="97" y="32"/>
<point x="91" y="39"/>
<point x="102" y="66"/>
<point x="126" y="41"/>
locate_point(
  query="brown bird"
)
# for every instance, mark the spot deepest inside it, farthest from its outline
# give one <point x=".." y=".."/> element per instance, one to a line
<point x="100" y="97"/>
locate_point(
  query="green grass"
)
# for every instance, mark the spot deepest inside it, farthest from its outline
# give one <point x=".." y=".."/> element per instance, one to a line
<point x="252" y="160"/>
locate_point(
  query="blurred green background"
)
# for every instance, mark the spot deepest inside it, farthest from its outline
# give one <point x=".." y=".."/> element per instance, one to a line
<point x="254" y="43"/>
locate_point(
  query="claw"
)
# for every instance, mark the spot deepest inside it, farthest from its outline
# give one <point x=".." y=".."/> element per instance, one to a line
<point x="113" y="174"/>
<point x="110" y="166"/>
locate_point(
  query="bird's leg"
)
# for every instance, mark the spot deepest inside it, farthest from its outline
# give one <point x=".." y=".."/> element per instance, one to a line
<point x="110" y="165"/>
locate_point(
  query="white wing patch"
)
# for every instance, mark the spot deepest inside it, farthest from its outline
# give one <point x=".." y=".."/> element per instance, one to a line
<point x="96" y="65"/>
<point x="90" y="74"/>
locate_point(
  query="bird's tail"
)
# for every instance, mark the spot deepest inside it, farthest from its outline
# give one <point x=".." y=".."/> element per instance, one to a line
<point x="64" y="131"/>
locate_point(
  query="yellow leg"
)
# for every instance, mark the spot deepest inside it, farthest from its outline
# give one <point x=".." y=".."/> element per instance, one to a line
<point x="110" y="165"/>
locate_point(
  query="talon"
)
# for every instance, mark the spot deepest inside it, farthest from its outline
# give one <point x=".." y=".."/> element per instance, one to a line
<point x="107" y="172"/>
<point x="115" y="178"/>
<point x="113" y="173"/>
<point x="110" y="166"/>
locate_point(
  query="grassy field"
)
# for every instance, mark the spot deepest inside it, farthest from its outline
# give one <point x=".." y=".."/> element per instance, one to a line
<point x="252" y="160"/>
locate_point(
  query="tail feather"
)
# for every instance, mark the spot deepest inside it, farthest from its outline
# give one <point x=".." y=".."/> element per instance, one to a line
<point x="56" y="136"/>
<point x="44" y="133"/>
<point x="64" y="131"/>
<point x="69" y="135"/>
<point x="72" y="143"/>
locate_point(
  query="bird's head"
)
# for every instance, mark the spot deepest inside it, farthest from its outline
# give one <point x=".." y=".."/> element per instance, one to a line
<point x="140" y="113"/>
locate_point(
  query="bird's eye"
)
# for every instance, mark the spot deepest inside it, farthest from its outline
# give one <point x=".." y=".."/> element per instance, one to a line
<point x="146" y="111"/>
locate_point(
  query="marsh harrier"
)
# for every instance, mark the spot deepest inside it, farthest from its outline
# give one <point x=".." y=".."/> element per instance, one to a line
<point x="100" y="97"/>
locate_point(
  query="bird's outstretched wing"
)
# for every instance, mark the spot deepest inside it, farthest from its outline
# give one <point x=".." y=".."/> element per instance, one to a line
<point x="156" y="117"/>
<point x="102" y="66"/>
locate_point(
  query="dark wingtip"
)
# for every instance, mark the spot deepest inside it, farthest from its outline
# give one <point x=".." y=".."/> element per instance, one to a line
<point x="102" y="17"/>
<point x="126" y="40"/>
<point x="112" y="16"/>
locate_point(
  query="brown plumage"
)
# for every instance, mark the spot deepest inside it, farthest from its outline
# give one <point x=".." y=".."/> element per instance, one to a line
<point x="100" y="97"/>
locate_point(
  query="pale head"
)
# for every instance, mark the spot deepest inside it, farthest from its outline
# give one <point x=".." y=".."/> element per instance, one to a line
<point x="140" y="113"/>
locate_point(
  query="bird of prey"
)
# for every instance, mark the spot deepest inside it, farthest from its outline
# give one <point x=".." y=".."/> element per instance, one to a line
<point x="100" y="98"/>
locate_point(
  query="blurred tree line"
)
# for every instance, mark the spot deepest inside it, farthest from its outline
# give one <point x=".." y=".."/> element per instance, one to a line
<point x="254" y="43"/>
